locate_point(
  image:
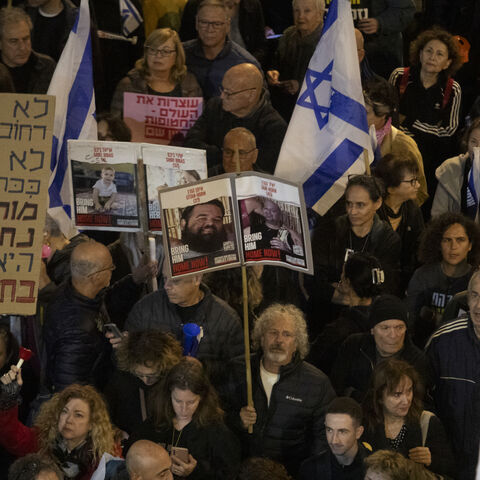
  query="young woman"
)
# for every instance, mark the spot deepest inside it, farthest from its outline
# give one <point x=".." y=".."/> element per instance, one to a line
<point x="453" y="193"/>
<point x="73" y="427"/>
<point x="449" y="251"/>
<point x="399" y="208"/>
<point x="395" y="419"/>
<point x="187" y="419"/>
<point x="161" y="71"/>
<point x="430" y="99"/>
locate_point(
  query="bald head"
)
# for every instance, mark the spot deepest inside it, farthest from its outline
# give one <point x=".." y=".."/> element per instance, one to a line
<point x="241" y="89"/>
<point x="360" y="43"/>
<point x="147" y="460"/>
<point x="242" y="140"/>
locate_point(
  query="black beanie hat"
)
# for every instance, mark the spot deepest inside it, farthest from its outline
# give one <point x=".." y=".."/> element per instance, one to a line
<point x="388" y="307"/>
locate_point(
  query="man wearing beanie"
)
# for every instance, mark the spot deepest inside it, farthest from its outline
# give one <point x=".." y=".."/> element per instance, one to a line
<point x="387" y="338"/>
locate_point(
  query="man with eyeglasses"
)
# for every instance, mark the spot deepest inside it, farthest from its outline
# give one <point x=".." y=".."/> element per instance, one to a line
<point x="210" y="55"/>
<point x="388" y="338"/>
<point x="454" y="350"/>
<point x="76" y="349"/>
<point x="242" y="103"/>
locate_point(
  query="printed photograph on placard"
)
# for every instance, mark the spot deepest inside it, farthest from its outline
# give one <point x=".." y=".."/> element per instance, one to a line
<point x="272" y="228"/>
<point x="168" y="167"/>
<point x="199" y="226"/>
<point x="104" y="185"/>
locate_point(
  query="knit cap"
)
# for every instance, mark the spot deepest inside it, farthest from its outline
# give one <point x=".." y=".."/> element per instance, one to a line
<point x="387" y="307"/>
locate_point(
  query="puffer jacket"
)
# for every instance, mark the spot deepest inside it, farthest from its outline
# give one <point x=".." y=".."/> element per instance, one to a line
<point x="290" y="428"/>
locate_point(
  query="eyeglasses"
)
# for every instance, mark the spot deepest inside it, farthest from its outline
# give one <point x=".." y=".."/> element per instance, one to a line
<point x="215" y="25"/>
<point x="111" y="268"/>
<point x="163" y="52"/>
<point x="412" y="181"/>
<point x="231" y="94"/>
<point x="228" y="152"/>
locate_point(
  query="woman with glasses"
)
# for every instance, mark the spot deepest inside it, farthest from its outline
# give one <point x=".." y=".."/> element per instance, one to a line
<point x="449" y="251"/>
<point x="399" y="208"/>
<point x="359" y="230"/>
<point x="395" y="419"/>
<point x="187" y="419"/>
<point x="161" y="71"/>
<point x="143" y="359"/>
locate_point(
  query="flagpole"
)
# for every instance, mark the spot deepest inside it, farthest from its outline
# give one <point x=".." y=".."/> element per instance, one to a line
<point x="246" y="330"/>
<point x="367" y="162"/>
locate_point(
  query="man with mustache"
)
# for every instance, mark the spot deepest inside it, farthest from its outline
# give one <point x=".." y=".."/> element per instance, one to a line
<point x="290" y="396"/>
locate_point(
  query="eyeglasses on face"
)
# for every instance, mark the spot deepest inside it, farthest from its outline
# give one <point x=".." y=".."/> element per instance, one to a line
<point x="204" y="24"/>
<point x="231" y="94"/>
<point x="228" y="152"/>
<point x="163" y="52"/>
<point x="413" y="181"/>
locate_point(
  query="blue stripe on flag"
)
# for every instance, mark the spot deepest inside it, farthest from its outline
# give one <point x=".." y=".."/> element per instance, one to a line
<point x="348" y="110"/>
<point x="331" y="17"/>
<point x="471" y="186"/>
<point x="133" y="11"/>
<point x="79" y="101"/>
<point x="334" y="166"/>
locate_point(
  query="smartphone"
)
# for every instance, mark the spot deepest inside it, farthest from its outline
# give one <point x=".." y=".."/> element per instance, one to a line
<point x="112" y="328"/>
<point x="181" y="453"/>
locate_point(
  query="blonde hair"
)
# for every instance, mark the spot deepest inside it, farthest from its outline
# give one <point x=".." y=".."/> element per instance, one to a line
<point x="159" y="37"/>
<point x="101" y="433"/>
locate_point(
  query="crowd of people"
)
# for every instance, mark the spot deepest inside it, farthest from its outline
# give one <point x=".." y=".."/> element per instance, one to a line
<point x="366" y="369"/>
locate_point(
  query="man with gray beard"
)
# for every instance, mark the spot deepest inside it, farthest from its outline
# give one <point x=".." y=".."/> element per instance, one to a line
<point x="290" y="396"/>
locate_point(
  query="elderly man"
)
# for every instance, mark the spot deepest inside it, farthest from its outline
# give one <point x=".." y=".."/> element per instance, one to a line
<point x="454" y="350"/>
<point x="31" y="72"/>
<point x="290" y="396"/>
<point x="388" y="337"/>
<point x="344" y="458"/>
<point x="239" y="140"/>
<point x="186" y="300"/>
<point x="210" y="55"/>
<point x="76" y="349"/>
<point x="241" y="104"/>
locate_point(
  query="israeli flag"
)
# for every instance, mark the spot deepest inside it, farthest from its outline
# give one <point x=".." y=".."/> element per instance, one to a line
<point x="328" y="132"/>
<point x="131" y="18"/>
<point x="72" y="85"/>
<point x="473" y="190"/>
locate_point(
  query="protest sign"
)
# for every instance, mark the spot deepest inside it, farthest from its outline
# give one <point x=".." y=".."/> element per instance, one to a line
<point x="104" y="185"/>
<point x="267" y="218"/>
<point x="26" y="123"/>
<point x="167" y="166"/>
<point x="161" y="120"/>
<point x="199" y="229"/>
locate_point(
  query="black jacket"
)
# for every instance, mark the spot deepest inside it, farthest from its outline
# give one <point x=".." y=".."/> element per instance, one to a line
<point x="291" y="428"/>
<point x="77" y="351"/>
<point x="222" y="330"/>
<point x="357" y="358"/>
<point x="264" y="122"/>
<point x="214" y="447"/>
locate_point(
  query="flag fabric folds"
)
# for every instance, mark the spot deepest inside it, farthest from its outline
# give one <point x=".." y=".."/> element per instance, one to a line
<point x="131" y="18"/>
<point x="328" y="132"/>
<point x="473" y="190"/>
<point x="72" y="85"/>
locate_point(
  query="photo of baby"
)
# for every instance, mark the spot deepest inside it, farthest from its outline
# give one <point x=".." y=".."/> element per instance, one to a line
<point x="105" y="190"/>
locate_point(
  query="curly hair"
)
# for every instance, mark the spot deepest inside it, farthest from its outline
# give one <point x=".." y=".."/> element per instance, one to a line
<point x="186" y="375"/>
<point x="382" y="97"/>
<point x="151" y="348"/>
<point x="155" y="39"/>
<point x="392" y="169"/>
<point x="443" y="36"/>
<point x="278" y="310"/>
<point x="31" y="465"/>
<point x="118" y="129"/>
<point x="387" y="376"/>
<point x="358" y="271"/>
<point x="389" y="462"/>
<point x="430" y="242"/>
<point x="101" y="433"/>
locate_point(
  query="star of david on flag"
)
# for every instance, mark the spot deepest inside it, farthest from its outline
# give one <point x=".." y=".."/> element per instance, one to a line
<point x="328" y="133"/>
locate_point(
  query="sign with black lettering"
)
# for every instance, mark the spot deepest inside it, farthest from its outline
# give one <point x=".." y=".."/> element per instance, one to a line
<point x="26" y="123"/>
